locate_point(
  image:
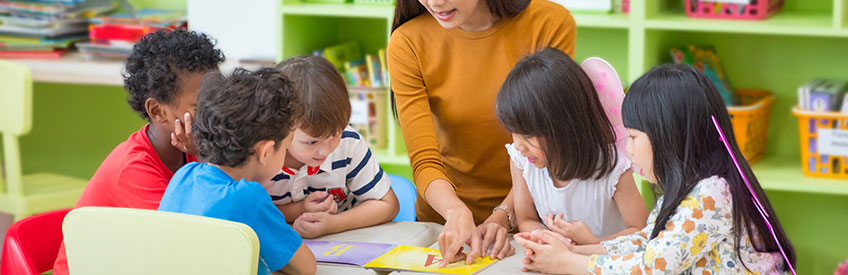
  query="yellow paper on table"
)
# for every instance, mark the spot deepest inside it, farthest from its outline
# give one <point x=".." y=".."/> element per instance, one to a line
<point x="424" y="259"/>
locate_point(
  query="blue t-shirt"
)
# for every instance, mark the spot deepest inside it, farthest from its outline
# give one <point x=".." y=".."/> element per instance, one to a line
<point x="204" y="190"/>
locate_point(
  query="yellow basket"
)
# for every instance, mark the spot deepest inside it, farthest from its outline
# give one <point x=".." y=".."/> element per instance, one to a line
<point x="814" y="163"/>
<point x="750" y="122"/>
<point x="368" y="114"/>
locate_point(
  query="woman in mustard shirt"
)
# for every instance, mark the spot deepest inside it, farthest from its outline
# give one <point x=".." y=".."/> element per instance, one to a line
<point x="447" y="60"/>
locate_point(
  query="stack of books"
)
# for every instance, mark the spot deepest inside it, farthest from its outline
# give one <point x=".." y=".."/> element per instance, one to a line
<point x="823" y="95"/>
<point x="113" y="36"/>
<point x="45" y="29"/>
<point x="359" y="71"/>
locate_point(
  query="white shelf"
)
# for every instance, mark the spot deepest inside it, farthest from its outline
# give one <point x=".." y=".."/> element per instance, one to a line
<point x="74" y="69"/>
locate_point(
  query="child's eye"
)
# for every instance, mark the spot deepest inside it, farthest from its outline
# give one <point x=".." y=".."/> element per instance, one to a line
<point x="312" y="142"/>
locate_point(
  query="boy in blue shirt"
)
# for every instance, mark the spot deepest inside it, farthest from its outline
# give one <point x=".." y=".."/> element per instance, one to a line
<point x="242" y="127"/>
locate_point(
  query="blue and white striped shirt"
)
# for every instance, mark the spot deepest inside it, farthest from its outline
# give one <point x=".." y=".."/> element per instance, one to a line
<point x="350" y="173"/>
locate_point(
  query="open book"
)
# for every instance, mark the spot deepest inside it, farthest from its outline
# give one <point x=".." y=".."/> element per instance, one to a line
<point x="390" y="257"/>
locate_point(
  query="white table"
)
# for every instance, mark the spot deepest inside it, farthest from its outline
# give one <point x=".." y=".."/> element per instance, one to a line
<point x="73" y="68"/>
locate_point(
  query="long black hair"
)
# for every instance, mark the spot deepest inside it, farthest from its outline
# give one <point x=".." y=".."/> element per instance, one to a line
<point x="672" y="105"/>
<point x="547" y="95"/>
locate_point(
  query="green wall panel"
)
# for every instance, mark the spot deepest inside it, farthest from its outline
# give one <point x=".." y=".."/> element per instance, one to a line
<point x="75" y="127"/>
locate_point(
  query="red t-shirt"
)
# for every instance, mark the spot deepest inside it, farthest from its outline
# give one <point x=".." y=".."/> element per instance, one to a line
<point x="132" y="176"/>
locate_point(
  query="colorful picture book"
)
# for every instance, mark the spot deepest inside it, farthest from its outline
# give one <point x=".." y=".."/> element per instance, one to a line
<point x="390" y="257"/>
<point x="352" y="253"/>
<point x="424" y="259"/>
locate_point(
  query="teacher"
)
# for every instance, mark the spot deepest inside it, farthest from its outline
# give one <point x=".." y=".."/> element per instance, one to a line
<point x="447" y="60"/>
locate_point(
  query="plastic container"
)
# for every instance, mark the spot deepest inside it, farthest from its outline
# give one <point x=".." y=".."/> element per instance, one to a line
<point x="823" y="137"/>
<point x="756" y="10"/>
<point x="750" y="122"/>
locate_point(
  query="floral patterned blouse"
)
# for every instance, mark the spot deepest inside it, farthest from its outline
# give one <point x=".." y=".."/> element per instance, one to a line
<point x="697" y="240"/>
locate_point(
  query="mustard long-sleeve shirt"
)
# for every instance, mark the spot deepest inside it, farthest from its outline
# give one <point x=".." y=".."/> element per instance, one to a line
<point x="445" y="83"/>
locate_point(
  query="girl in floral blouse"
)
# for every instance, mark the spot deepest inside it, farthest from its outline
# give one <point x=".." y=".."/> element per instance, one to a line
<point x="706" y="221"/>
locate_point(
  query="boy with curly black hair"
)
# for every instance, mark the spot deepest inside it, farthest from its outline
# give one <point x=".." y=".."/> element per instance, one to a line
<point x="162" y="76"/>
<point x="242" y="129"/>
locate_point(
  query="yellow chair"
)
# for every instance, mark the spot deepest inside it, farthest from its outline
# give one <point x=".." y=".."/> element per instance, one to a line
<point x="104" y="240"/>
<point x="25" y="195"/>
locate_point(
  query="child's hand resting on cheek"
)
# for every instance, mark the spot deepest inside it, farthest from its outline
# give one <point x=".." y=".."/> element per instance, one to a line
<point x="181" y="138"/>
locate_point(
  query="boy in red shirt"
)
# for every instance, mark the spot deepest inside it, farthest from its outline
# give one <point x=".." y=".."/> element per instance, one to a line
<point x="162" y="77"/>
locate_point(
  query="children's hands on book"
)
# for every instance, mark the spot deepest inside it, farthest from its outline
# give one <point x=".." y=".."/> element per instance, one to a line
<point x="459" y="230"/>
<point x="313" y="224"/>
<point x="181" y="138"/>
<point x="577" y="231"/>
<point x="494" y="235"/>
<point x="320" y="201"/>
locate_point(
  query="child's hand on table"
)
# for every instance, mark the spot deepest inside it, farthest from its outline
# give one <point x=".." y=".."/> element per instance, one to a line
<point x="576" y="231"/>
<point x="314" y="224"/>
<point x="544" y="250"/>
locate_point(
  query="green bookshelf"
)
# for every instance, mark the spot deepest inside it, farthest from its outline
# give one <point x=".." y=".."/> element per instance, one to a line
<point x="806" y="39"/>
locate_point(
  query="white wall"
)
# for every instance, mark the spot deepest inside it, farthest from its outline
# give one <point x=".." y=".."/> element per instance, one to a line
<point x="245" y="29"/>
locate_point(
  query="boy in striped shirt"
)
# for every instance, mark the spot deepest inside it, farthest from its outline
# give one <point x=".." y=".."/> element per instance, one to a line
<point x="331" y="182"/>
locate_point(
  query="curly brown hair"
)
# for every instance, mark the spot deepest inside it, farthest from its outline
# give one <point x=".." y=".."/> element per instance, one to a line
<point x="234" y="113"/>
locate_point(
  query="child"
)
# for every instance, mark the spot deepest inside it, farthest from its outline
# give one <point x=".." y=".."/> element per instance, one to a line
<point x="161" y="76"/>
<point x="242" y="128"/>
<point x="565" y="168"/>
<point x="706" y="221"/>
<point x="331" y="181"/>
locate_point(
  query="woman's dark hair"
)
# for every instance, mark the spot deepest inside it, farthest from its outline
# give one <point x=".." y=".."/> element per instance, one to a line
<point x="547" y="95"/>
<point x="323" y="92"/>
<point x="672" y="105"/>
<point x="405" y="10"/>
<point x="234" y="113"/>
<point x="153" y="69"/>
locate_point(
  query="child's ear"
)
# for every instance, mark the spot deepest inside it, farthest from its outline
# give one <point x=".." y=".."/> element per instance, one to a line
<point x="155" y="110"/>
<point x="264" y="150"/>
